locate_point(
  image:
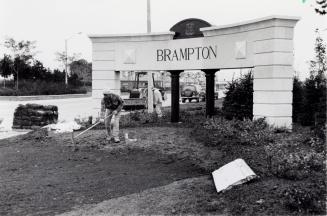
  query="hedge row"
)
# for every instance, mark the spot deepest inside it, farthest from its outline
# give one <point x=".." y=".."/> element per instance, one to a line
<point x="39" y="87"/>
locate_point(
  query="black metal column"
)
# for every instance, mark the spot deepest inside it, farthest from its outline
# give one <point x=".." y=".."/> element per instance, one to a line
<point x="175" y="95"/>
<point x="210" y="91"/>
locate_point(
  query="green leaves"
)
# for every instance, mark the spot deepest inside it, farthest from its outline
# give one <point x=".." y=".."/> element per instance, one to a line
<point x="238" y="102"/>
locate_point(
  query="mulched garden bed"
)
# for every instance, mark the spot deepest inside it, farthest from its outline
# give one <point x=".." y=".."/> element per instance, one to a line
<point x="41" y="175"/>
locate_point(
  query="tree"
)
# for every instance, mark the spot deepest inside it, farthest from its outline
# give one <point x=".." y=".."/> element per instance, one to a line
<point x="39" y="72"/>
<point x="74" y="80"/>
<point x="82" y="69"/>
<point x="315" y="87"/>
<point x="23" y="54"/>
<point x="321" y="6"/>
<point x="65" y="61"/>
<point x="61" y="58"/>
<point x="6" y="67"/>
<point x="193" y="77"/>
<point x="58" y="76"/>
<point x="238" y="102"/>
<point x="318" y="67"/>
<point x="298" y="94"/>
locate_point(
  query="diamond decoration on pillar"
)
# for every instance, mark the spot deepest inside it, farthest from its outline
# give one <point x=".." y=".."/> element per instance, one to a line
<point x="240" y="50"/>
<point x="129" y="56"/>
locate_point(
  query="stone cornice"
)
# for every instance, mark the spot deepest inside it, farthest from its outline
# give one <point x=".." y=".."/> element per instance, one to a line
<point x="250" y="25"/>
<point x="156" y="36"/>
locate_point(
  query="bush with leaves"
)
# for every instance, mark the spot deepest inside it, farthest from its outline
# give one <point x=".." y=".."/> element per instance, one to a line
<point x="74" y="80"/>
<point x="298" y="94"/>
<point x="306" y="197"/>
<point x="246" y="132"/>
<point x="293" y="160"/>
<point x="238" y="102"/>
<point x="141" y="117"/>
<point x="314" y="101"/>
<point x="39" y="87"/>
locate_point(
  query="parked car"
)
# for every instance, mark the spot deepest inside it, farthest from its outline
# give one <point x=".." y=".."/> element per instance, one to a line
<point x="190" y="92"/>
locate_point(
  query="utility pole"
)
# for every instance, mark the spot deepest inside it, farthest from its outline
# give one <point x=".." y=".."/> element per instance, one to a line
<point x="148" y="16"/>
<point x="150" y="80"/>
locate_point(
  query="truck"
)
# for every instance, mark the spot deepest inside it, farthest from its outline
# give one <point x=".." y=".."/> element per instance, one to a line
<point x="138" y="96"/>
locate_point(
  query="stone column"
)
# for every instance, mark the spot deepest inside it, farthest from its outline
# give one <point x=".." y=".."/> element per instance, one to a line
<point x="210" y="91"/>
<point x="175" y="95"/>
<point x="273" y="75"/>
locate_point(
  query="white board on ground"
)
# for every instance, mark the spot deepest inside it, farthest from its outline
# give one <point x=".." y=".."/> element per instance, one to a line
<point x="233" y="173"/>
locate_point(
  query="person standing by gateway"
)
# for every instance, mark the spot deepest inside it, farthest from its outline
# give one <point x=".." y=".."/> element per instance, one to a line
<point x="111" y="106"/>
<point x="157" y="101"/>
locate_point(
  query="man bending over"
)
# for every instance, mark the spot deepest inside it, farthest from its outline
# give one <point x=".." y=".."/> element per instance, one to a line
<point x="111" y="106"/>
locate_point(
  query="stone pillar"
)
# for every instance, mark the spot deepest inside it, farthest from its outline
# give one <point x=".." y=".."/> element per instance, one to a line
<point x="175" y="95"/>
<point x="210" y="91"/>
<point x="273" y="75"/>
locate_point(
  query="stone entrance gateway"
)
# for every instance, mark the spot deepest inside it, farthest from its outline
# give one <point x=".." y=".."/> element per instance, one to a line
<point x="265" y="44"/>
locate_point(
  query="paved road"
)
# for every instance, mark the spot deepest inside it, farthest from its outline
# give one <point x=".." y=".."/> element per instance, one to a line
<point x="68" y="108"/>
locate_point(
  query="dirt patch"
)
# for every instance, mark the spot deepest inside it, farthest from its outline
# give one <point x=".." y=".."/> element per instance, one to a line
<point x="40" y="175"/>
<point x="195" y="196"/>
<point x="174" y="141"/>
<point x="188" y="196"/>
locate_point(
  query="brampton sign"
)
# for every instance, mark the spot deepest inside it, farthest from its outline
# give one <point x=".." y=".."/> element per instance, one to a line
<point x="186" y="54"/>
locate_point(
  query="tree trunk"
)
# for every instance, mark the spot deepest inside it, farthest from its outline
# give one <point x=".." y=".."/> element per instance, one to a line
<point x="17" y="81"/>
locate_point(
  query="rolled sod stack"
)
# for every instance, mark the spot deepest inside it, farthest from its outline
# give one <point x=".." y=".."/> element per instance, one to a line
<point x="34" y="116"/>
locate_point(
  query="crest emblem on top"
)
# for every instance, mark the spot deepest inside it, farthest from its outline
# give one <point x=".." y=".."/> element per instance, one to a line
<point x="189" y="30"/>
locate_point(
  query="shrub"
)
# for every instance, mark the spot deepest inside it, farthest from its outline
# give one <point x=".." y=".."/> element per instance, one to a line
<point x="245" y="132"/>
<point x="74" y="80"/>
<point x="256" y="132"/>
<point x="42" y="88"/>
<point x="317" y="143"/>
<point x="314" y="102"/>
<point x="306" y="197"/>
<point x="238" y="102"/>
<point x="298" y="94"/>
<point x="189" y="117"/>
<point x="8" y="92"/>
<point x="291" y="161"/>
<point x="141" y="117"/>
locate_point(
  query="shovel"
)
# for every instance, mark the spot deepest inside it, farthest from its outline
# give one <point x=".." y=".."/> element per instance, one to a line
<point x="92" y="126"/>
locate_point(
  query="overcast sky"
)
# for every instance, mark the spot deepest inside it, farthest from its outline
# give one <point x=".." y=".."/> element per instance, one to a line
<point x="50" y="22"/>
